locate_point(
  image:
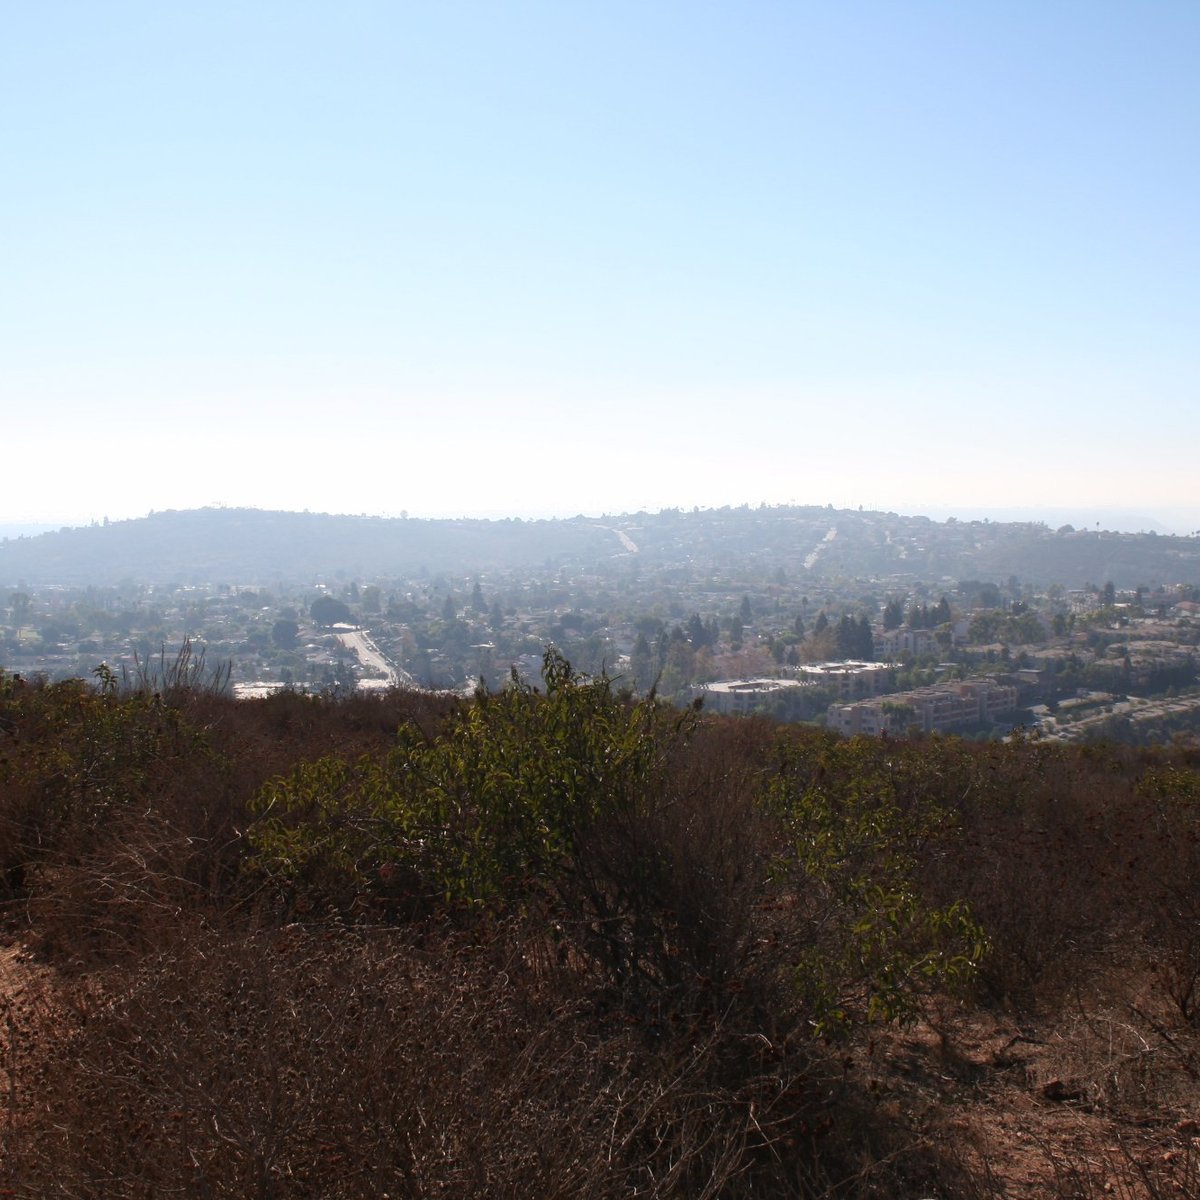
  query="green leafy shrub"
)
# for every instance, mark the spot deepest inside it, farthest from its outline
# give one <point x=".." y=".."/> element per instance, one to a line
<point x="864" y="823"/>
<point x="521" y="797"/>
<point x="73" y="761"/>
<point x="582" y="803"/>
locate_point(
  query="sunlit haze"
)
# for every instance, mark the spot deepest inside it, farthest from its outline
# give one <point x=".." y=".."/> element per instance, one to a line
<point x="534" y="259"/>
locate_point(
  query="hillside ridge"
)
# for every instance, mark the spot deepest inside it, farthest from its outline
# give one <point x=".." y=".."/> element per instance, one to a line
<point x="246" y="544"/>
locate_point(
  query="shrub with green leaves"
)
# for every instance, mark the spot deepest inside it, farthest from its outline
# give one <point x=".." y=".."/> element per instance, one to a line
<point x="74" y="761"/>
<point x="863" y="823"/>
<point x="508" y="803"/>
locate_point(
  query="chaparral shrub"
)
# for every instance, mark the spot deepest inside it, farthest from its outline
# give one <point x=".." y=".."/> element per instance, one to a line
<point x="865" y="823"/>
<point x="523" y="797"/>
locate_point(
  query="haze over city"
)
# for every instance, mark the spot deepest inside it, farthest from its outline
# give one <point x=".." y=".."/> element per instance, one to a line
<point x="534" y="259"/>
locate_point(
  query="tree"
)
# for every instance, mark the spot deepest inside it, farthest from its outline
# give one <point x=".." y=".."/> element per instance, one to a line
<point x="21" y="606"/>
<point x="328" y="610"/>
<point x="918" y="618"/>
<point x="643" y="664"/>
<point x="661" y="648"/>
<point x="866" y="640"/>
<point x="979" y="594"/>
<point x="893" y="614"/>
<point x="984" y="627"/>
<point x="735" y="632"/>
<point x="679" y="668"/>
<point x="285" y="634"/>
<point x="702" y="633"/>
<point x="50" y="636"/>
<point x="854" y="638"/>
<point x="846" y="637"/>
<point x="1027" y="627"/>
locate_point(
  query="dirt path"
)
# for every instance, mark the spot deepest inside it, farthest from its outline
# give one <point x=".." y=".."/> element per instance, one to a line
<point x="28" y="1018"/>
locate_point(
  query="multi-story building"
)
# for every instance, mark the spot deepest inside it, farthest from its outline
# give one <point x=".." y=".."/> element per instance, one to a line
<point x="850" y="680"/>
<point x="941" y="707"/>
<point x="744" y="695"/>
<point x="894" y="642"/>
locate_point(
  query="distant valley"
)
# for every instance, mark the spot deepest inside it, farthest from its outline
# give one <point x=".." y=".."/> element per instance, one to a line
<point x="867" y="622"/>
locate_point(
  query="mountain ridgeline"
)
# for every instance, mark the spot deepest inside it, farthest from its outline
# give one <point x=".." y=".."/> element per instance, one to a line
<point x="243" y="545"/>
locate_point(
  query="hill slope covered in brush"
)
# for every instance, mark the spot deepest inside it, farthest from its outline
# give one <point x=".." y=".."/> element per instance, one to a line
<point x="559" y="942"/>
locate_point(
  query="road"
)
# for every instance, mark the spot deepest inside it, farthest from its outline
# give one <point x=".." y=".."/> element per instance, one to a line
<point x="626" y="541"/>
<point x="368" y="654"/>
<point x="818" y="550"/>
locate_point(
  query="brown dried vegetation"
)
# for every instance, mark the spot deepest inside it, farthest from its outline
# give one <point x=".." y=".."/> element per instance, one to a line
<point x="178" y="1020"/>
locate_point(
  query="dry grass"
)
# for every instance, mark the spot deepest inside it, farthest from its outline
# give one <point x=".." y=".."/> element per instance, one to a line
<point x="177" y="1033"/>
<point x="295" y="1062"/>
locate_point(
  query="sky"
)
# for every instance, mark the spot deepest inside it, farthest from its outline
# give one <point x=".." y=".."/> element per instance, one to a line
<point x="511" y="258"/>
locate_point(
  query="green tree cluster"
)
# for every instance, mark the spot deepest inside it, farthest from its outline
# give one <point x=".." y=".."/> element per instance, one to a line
<point x="329" y="610"/>
<point x="854" y="638"/>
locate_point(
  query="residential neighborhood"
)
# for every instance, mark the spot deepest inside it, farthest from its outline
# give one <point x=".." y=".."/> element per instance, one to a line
<point x="736" y="629"/>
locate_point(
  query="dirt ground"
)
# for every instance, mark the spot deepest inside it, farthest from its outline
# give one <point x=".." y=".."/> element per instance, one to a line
<point x="1103" y="1101"/>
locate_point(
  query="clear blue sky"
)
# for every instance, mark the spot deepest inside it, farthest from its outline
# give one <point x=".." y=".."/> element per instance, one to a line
<point x="561" y="257"/>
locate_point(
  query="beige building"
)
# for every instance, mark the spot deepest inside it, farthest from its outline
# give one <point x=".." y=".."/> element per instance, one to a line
<point x="942" y="707"/>
<point x="895" y="642"/>
<point x="850" y="680"/>
<point x="744" y="695"/>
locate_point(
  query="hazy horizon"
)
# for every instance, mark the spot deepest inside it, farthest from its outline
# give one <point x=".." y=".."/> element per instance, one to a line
<point x="534" y="258"/>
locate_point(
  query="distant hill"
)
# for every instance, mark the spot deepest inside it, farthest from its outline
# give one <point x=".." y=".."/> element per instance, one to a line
<point x="18" y="530"/>
<point x="215" y="545"/>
